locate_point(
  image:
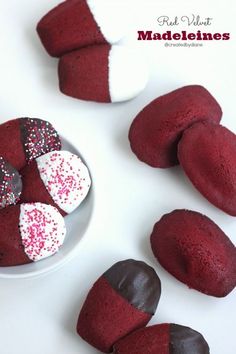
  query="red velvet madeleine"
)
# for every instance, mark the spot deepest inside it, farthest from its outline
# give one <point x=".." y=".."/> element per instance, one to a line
<point x="155" y="132"/>
<point x="123" y="299"/>
<point x="83" y="73"/>
<point x="10" y="184"/>
<point x="102" y="73"/>
<point x="59" y="178"/>
<point x="11" y="147"/>
<point x="24" y="139"/>
<point x="148" y="340"/>
<point x="74" y="24"/>
<point x="107" y="317"/>
<point x="29" y="233"/>
<point x="68" y="26"/>
<point x="207" y="154"/>
<point x="167" y="338"/>
<point x="196" y="251"/>
<point x="33" y="187"/>
<point x="11" y="246"/>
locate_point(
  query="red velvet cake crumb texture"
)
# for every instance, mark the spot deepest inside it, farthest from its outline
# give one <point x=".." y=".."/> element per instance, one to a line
<point x="67" y="27"/>
<point x="11" y="247"/>
<point x="107" y="317"/>
<point x="207" y="154"/>
<point x="11" y="148"/>
<point x="148" y="340"/>
<point x="157" y="129"/>
<point x="34" y="189"/>
<point x="196" y="251"/>
<point x="84" y="74"/>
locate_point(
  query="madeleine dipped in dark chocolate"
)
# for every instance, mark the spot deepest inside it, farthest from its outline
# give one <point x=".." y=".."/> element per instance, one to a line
<point x="196" y="251"/>
<point x="122" y="300"/>
<point x="164" y="339"/>
<point x="10" y="184"/>
<point x="24" y="139"/>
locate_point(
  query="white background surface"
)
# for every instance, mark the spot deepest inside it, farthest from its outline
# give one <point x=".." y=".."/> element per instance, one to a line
<point x="38" y="316"/>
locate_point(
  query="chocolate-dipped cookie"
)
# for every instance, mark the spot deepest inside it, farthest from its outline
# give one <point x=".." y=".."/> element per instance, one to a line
<point x="10" y="184"/>
<point x="58" y="178"/>
<point x="164" y="339"/>
<point x="24" y="139"/>
<point x="155" y="132"/>
<point x="29" y="233"/>
<point x="196" y="251"/>
<point x="123" y="299"/>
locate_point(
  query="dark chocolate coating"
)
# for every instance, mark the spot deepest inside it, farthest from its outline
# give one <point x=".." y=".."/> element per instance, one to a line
<point x="10" y="184"/>
<point x="38" y="137"/>
<point x="184" y="340"/>
<point x="137" y="282"/>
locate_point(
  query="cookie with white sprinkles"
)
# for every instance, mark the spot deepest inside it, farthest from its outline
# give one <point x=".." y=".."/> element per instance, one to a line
<point x="59" y="178"/>
<point x="24" y="139"/>
<point x="29" y="233"/>
<point x="10" y="184"/>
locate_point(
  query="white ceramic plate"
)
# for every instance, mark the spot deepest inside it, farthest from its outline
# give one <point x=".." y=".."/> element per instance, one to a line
<point x="76" y="225"/>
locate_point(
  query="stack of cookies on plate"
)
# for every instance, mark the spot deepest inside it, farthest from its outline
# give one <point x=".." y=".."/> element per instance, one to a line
<point x="39" y="185"/>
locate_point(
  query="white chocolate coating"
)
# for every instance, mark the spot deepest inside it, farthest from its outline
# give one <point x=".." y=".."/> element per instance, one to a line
<point x="42" y="230"/>
<point x="65" y="177"/>
<point x="128" y="74"/>
<point x="110" y="18"/>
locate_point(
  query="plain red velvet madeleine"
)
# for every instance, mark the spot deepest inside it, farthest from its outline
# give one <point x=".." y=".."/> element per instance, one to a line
<point x="196" y="251"/>
<point x="155" y="132"/>
<point x="207" y="153"/>
<point x="106" y="317"/>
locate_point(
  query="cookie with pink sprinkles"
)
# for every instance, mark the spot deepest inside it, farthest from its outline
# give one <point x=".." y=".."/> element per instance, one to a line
<point x="58" y="178"/>
<point x="29" y="233"/>
<point x="24" y="139"/>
